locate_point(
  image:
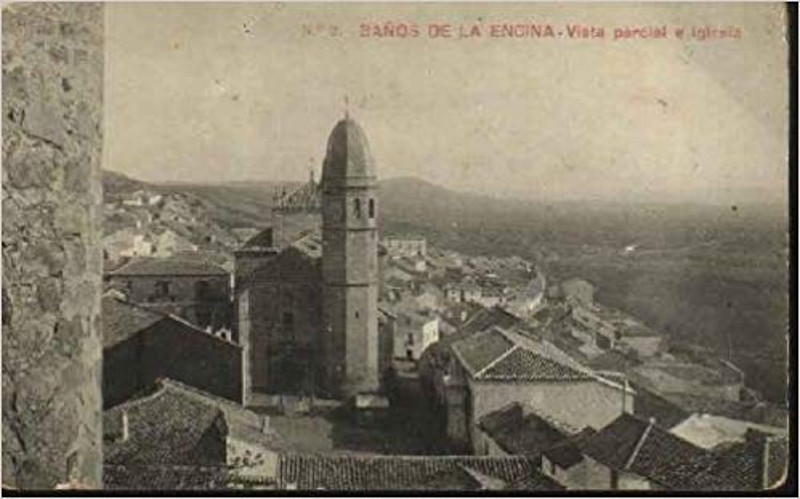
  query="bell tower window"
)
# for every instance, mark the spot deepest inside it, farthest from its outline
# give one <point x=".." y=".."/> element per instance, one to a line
<point x="371" y="208"/>
<point x="357" y="207"/>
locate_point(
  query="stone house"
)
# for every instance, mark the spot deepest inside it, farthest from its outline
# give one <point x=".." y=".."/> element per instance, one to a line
<point x="126" y="243"/>
<point x="515" y="430"/>
<point x="590" y="328"/>
<point x="410" y="247"/>
<point x="709" y="431"/>
<point x="413" y="266"/>
<point x="142" y="198"/>
<point x="185" y="285"/>
<point x="525" y="303"/>
<point x="490" y="298"/>
<point x="633" y="454"/>
<point x="642" y="340"/>
<point x="416" y="331"/>
<point x="668" y="376"/>
<point x="565" y="463"/>
<point x="424" y="296"/>
<point x="204" y="440"/>
<point x="463" y="292"/>
<point x="142" y="345"/>
<point x="490" y="369"/>
<point x="167" y="243"/>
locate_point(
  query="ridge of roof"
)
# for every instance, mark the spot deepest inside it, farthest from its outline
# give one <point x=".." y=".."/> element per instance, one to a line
<point x="497" y="360"/>
<point x="197" y="393"/>
<point x="162" y="316"/>
<point x="172" y="265"/>
<point x="639" y="444"/>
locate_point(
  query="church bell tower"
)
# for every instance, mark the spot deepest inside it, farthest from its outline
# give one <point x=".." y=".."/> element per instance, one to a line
<point x="350" y="263"/>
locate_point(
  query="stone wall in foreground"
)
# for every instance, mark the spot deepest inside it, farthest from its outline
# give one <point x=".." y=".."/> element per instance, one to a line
<point x="52" y="261"/>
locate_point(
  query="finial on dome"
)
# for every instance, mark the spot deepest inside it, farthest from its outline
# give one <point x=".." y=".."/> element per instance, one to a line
<point x="346" y="107"/>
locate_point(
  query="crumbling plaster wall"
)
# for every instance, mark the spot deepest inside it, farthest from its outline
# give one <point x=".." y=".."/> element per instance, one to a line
<point x="52" y="261"/>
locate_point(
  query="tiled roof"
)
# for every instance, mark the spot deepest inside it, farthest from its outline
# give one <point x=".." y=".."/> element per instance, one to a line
<point x="170" y="266"/>
<point x="374" y="473"/>
<point x="536" y="482"/>
<point x="523" y="365"/>
<point x="493" y="356"/>
<point x="164" y="477"/>
<point x="488" y="318"/>
<point x="739" y="466"/>
<point x="241" y="423"/>
<point x="164" y="428"/>
<point x="478" y="351"/>
<point x="631" y="444"/>
<point x="123" y="320"/>
<point x="567" y="453"/>
<point x="520" y="434"/>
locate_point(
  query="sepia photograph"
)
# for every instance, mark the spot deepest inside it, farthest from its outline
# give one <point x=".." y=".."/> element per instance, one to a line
<point x="530" y="248"/>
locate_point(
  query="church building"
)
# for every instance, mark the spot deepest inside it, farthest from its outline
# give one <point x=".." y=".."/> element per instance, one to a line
<point x="307" y="292"/>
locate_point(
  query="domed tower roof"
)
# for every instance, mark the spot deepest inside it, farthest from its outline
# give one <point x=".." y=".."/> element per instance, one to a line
<point x="348" y="157"/>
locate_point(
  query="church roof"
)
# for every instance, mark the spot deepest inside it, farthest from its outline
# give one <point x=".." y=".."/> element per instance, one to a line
<point x="348" y="155"/>
<point x="305" y="198"/>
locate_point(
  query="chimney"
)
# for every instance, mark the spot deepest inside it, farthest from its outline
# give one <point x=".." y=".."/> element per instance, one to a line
<point x="125" y="430"/>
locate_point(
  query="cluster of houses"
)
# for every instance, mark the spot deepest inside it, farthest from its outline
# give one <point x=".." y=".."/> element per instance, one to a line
<point x="149" y="224"/>
<point x="534" y="385"/>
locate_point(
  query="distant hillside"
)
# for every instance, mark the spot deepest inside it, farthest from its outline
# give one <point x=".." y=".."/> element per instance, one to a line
<point x="117" y="185"/>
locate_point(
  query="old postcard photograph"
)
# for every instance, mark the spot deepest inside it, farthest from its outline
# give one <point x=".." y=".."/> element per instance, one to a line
<point x="340" y="247"/>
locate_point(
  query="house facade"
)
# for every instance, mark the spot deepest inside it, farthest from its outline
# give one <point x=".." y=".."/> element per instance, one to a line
<point x="141" y="345"/>
<point x="490" y="369"/>
<point x="183" y="285"/>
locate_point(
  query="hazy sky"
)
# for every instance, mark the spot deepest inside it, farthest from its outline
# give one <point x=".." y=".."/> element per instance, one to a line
<point x="226" y="92"/>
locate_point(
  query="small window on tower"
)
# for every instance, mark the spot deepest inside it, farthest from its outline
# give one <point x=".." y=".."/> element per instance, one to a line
<point x="357" y="314"/>
<point x="357" y="206"/>
<point x="371" y="208"/>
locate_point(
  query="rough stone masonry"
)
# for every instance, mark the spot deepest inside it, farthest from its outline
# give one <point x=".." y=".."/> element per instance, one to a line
<point x="52" y="261"/>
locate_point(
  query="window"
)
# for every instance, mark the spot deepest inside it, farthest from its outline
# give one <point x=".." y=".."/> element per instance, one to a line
<point x="357" y="207"/>
<point x="357" y="315"/>
<point x="371" y="208"/>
